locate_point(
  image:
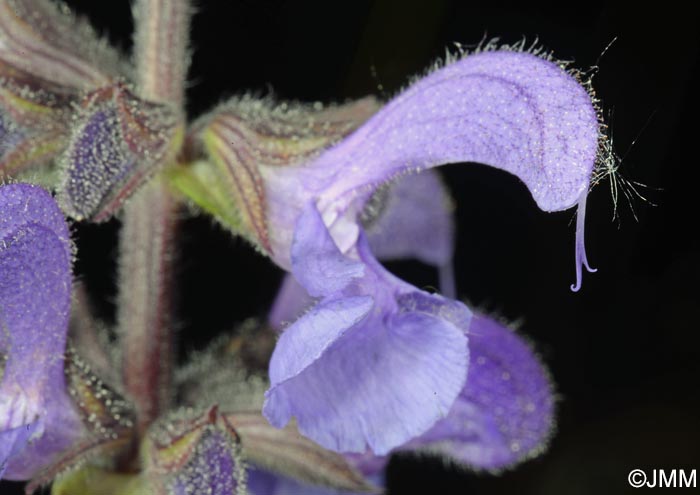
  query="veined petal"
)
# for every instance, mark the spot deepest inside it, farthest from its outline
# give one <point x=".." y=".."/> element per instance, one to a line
<point x="226" y="374"/>
<point x="378" y="387"/>
<point x="511" y="110"/>
<point x="504" y="414"/>
<point x="245" y="134"/>
<point x="35" y="288"/>
<point x="310" y="336"/>
<point x="120" y="142"/>
<point x="372" y="365"/>
<point x="514" y="111"/>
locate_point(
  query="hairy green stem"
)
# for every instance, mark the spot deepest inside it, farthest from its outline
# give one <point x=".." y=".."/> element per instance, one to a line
<point x="145" y="312"/>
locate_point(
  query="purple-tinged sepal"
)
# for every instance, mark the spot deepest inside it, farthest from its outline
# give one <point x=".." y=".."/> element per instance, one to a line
<point x="375" y="363"/>
<point x="46" y="39"/>
<point x="237" y="142"/>
<point x="35" y="291"/>
<point x="185" y="454"/>
<point x="34" y="120"/>
<point x="120" y="140"/>
<point x="505" y="413"/>
<point x="287" y="453"/>
<point x="104" y="411"/>
<point x="48" y="58"/>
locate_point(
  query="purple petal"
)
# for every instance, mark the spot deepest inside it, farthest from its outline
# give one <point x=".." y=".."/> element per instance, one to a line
<point x="35" y="288"/>
<point x="412" y="219"/>
<point x="510" y="110"/>
<point x="355" y="380"/>
<point x="505" y="412"/>
<point x="409" y="219"/>
<point x="514" y="111"/>
<point x="290" y="303"/>
<point x="317" y="263"/>
<point x="262" y="482"/>
<point x="24" y="204"/>
<point x="13" y="442"/>
<point x="309" y="337"/>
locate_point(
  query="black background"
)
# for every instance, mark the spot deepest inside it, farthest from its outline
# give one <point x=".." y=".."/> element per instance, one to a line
<point x="624" y="351"/>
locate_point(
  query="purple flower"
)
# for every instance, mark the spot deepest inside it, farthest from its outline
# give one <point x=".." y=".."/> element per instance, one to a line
<point x="375" y="362"/>
<point x="35" y="292"/>
<point x="502" y="414"/>
<point x="366" y="364"/>
<point x="508" y="109"/>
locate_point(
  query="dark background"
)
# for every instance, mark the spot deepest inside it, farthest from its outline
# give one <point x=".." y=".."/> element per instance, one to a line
<point x="624" y="351"/>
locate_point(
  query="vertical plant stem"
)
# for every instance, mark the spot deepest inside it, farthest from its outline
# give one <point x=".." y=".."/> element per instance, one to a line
<point x="145" y="306"/>
<point x="160" y="48"/>
<point x="145" y="312"/>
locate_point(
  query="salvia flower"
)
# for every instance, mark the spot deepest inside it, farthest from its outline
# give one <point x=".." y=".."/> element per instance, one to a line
<point x="509" y="109"/>
<point x="364" y="364"/>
